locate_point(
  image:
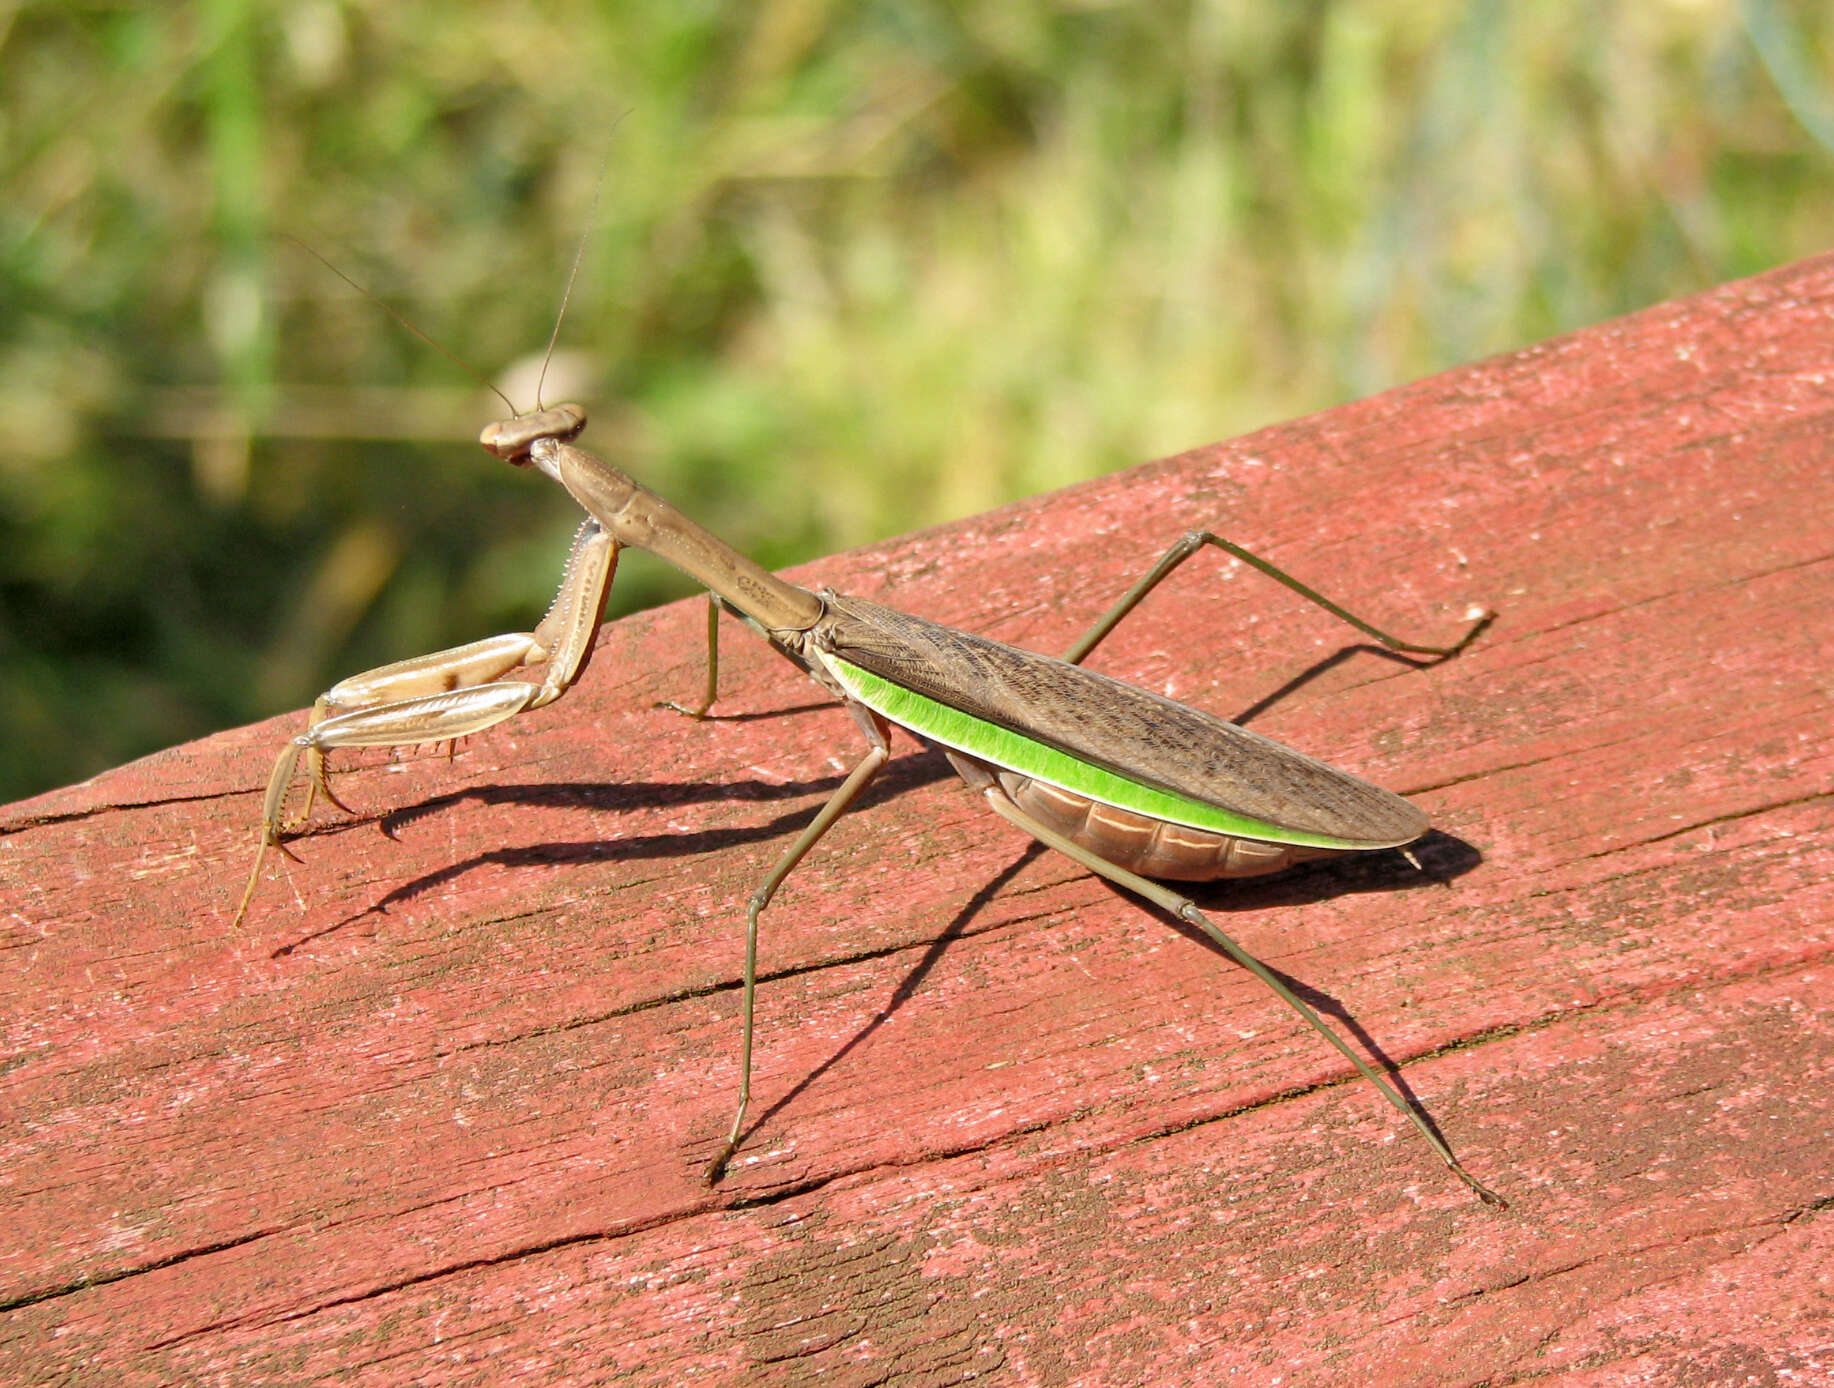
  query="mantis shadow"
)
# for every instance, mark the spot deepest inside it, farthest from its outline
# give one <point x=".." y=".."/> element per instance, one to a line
<point x="1324" y="666"/>
<point x="899" y="776"/>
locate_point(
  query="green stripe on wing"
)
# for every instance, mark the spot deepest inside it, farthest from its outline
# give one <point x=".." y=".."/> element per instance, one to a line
<point x="1004" y="748"/>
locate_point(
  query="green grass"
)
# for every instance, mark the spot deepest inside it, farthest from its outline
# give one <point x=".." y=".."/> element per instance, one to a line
<point x="855" y="269"/>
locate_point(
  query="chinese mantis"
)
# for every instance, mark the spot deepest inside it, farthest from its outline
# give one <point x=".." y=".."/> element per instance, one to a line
<point x="1134" y="786"/>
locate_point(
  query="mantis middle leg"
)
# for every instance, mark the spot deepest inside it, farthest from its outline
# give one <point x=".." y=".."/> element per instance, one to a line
<point x="878" y="733"/>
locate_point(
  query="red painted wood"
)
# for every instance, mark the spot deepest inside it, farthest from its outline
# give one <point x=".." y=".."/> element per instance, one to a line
<point x="435" y="1115"/>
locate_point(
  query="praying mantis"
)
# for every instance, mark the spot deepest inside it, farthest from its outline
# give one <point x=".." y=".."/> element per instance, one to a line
<point x="1135" y="787"/>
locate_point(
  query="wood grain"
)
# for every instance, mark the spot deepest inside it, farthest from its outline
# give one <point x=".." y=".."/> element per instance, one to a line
<point x="436" y="1114"/>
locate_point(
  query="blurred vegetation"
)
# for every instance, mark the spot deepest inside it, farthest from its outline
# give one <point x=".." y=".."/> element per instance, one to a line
<point x="856" y="268"/>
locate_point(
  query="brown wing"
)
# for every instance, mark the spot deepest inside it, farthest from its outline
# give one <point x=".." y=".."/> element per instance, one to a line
<point x="1128" y="730"/>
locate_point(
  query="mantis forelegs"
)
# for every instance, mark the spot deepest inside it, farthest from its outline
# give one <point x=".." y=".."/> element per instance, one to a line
<point x="450" y="693"/>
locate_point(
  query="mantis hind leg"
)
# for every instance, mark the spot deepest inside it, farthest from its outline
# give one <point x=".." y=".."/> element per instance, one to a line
<point x="1193" y="540"/>
<point x="1185" y="909"/>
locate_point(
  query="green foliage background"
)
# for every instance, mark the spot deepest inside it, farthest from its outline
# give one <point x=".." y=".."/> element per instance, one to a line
<point x="856" y="268"/>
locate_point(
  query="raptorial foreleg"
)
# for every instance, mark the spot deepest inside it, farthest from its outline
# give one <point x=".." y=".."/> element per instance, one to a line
<point x="447" y="694"/>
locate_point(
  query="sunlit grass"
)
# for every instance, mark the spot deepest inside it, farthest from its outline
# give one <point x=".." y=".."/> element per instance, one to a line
<point x="853" y="270"/>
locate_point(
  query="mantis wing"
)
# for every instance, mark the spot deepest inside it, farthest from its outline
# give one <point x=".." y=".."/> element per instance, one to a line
<point x="1148" y="753"/>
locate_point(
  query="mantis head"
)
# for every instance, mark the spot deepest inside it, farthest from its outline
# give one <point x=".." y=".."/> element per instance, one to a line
<point x="514" y="440"/>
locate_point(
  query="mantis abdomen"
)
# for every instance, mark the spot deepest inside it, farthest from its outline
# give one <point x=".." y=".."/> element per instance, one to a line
<point x="1146" y="845"/>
